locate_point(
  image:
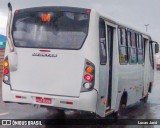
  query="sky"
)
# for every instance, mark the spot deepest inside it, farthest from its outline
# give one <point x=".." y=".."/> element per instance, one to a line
<point x="134" y="13"/>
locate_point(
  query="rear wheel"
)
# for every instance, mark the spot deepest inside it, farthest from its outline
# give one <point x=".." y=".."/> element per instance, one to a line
<point x="120" y="113"/>
<point x="122" y="106"/>
<point x="145" y="99"/>
<point x="121" y="110"/>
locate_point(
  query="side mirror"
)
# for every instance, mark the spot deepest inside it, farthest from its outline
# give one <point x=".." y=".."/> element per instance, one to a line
<point x="156" y="48"/>
<point x="150" y="87"/>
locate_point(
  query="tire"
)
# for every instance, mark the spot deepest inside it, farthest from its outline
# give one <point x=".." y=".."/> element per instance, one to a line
<point x="145" y="99"/>
<point x="120" y="113"/>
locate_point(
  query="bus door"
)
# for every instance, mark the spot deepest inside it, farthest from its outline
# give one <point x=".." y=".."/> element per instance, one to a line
<point x="110" y="59"/>
<point x="106" y="53"/>
<point x="141" y="62"/>
<point x="146" y="66"/>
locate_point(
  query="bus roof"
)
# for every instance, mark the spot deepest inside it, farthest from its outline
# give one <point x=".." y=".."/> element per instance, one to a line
<point x="110" y="19"/>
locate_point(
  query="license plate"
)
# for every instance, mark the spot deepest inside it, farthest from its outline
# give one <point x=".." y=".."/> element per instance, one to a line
<point x="44" y="100"/>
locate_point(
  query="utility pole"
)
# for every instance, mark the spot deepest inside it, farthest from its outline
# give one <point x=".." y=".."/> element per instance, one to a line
<point x="146" y="25"/>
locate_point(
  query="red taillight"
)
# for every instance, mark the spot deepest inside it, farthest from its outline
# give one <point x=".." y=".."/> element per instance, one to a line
<point x="88" y="77"/>
<point x="6" y="71"/>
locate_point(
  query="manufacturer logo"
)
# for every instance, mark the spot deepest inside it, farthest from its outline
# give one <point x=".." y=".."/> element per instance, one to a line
<point x="44" y="55"/>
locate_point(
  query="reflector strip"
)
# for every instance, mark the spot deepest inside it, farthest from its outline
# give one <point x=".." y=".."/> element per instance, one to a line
<point x="21" y="97"/>
<point x="66" y="102"/>
<point x="69" y="102"/>
<point x="44" y="50"/>
<point x="18" y="97"/>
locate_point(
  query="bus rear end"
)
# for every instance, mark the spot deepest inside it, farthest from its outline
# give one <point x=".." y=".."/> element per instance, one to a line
<point x="48" y="66"/>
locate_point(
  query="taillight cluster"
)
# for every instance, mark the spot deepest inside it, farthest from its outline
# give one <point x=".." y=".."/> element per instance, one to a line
<point x="6" y="74"/>
<point x="89" y="77"/>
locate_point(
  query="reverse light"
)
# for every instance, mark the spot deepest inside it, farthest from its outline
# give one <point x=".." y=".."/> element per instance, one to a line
<point x="88" y="77"/>
<point x="6" y="78"/>
<point x="87" y="85"/>
<point x="89" y="69"/>
<point x="5" y="71"/>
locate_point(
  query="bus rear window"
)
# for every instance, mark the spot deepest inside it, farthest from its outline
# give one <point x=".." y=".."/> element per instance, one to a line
<point x="50" y="30"/>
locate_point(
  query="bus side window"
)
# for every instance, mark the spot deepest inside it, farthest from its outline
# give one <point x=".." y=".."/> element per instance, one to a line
<point x="132" y="49"/>
<point x="140" y="49"/>
<point x="129" y="44"/>
<point x="151" y="55"/>
<point x="123" y="57"/>
<point x="102" y="42"/>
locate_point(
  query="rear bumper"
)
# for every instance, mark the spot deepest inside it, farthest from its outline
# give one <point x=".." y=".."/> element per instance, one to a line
<point x="86" y="101"/>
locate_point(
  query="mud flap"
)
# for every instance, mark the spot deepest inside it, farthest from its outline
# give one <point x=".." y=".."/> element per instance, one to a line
<point x="150" y="87"/>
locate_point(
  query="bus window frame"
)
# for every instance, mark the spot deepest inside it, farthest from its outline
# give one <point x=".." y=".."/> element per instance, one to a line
<point x="151" y="58"/>
<point x="104" y="42"/>
<point x="140" y="47"/>
<point x="132" y="46"/>
<point x="49" y="8"/>
<point x="120" y="44"/>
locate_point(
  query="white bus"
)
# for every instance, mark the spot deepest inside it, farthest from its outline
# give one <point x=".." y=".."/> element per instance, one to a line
<point x="69" y="58"/>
